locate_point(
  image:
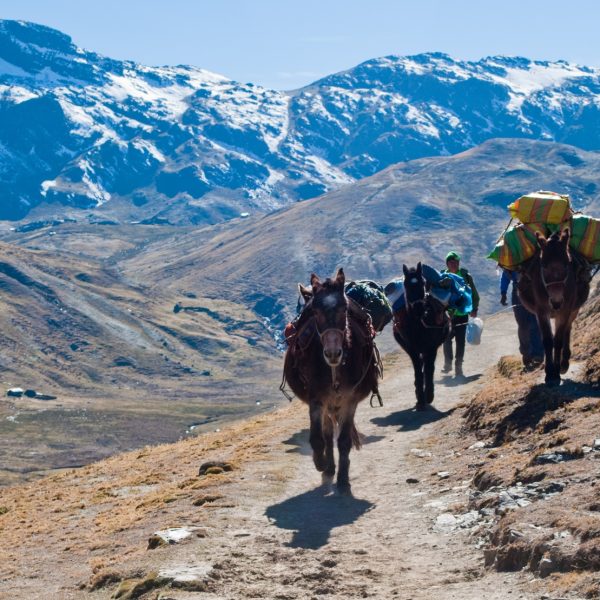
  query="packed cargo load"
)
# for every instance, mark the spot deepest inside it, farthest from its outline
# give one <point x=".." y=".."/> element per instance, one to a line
<point x="545" y="212"/>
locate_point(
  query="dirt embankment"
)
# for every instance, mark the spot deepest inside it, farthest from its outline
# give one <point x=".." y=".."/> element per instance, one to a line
<point x="540" y="467"/>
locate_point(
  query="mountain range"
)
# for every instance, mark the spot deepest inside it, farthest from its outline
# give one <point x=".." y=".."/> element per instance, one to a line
<point x="87" y="137"/>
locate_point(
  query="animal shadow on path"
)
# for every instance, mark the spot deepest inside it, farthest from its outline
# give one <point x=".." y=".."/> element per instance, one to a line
<point x="410" y="419"/>
<point x="314" y="514"/>
<point x="299" y="442"/>
<point x="450" y="381"/>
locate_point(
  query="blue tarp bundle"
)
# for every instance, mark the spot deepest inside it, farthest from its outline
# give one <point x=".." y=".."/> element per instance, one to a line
<point x="450" y="289"/>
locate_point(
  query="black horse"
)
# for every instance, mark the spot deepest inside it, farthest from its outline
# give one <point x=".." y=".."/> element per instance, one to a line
<point x="421" y="328"/>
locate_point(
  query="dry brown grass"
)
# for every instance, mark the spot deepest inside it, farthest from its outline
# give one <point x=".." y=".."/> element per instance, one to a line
<point x="99" y="513"/>
<point x="524" y="420"/>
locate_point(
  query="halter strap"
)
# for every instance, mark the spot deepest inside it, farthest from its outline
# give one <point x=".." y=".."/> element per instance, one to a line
<point x="548" y="284"/>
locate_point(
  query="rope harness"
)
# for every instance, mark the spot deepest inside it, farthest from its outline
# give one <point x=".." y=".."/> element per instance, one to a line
<point x="301" y="340"/>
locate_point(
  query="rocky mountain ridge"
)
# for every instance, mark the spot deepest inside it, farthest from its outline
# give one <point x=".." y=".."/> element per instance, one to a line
<point x="180" y="144"/>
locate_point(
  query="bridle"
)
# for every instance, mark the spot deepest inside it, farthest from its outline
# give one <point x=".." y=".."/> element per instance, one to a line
<point x="344" y="334"/>
<point x="414" y="303"/>
<point x="425" y="301"/>
<point x="343" y="331"/>
<point x="547" y="284"/>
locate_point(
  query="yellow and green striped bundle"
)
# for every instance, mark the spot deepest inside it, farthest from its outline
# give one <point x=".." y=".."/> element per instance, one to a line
<point x="545" y="212"/>
<point x="541" y="207"/>
<point x="517" y="245"/>
<point x="585" y="237"/>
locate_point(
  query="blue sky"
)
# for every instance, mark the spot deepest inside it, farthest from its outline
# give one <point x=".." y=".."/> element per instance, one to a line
<point x="285" y="44"/>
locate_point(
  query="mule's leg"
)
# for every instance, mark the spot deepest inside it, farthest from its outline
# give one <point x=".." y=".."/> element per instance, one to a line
<point x="552" y="370"/>
<point x="317" y="440"/>
<point x="345" y="440"/>
<point x="428" y="368"/>
<point x="557" y="342"/>
<point x="566" y="348"/>
<point x="328" y="433"/>
<point x="417" y="362"/>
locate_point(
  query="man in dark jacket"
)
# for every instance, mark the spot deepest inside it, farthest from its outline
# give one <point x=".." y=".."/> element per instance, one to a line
<point x="531" y="346"/>
<point x="459" y="318"/>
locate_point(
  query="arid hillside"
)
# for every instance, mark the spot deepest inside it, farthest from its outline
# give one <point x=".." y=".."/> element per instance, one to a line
<point x="539" y="468"/>
<point x="492" y="493"/>
<point x="411" y="211"/>
<point x="108" y="363"/>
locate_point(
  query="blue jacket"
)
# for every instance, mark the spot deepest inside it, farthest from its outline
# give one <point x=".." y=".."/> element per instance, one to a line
<point x="506" y="279"/>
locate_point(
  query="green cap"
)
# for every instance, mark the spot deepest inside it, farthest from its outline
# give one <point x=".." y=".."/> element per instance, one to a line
<point x="453" y="256"/>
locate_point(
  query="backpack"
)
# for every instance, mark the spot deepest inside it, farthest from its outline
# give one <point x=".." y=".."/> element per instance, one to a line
<point x="371" y="297"/>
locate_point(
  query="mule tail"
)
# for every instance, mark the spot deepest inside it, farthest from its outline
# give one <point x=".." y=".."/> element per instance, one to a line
<point x="356" y="437"/>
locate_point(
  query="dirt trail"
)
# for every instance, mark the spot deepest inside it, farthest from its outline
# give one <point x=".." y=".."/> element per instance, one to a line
<point x="268" y="529"/>
<point x="285" y="537"/>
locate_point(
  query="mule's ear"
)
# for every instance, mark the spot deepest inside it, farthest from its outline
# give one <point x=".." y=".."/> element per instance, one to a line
<point x="340" y="278"/>
<point x="541" y="240"/>
<point x="419" y="269"/>
<point x="405" y="270"/>
<point x="314" y="280"/>
<point x="305" y="292"/>
<point x="565" y="235"/>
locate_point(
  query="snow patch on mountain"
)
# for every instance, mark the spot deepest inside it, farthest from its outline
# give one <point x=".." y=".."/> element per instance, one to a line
<point x="79" y="129"/>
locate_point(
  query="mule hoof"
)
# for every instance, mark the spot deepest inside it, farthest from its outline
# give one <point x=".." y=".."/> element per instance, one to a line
<point x="344" y="489"/>
<point x="430" y="400"/>
<point x="421" y="406"/>
<point x="564" y="368"/>
<point x="326" y="480"/>
<point x="552" y="381"/>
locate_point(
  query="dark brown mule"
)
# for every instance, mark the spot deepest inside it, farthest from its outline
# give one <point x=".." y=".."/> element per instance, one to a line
<point x="554" y="284"/>
<point x="421" y="328"/>
<point x="331" y="365"/>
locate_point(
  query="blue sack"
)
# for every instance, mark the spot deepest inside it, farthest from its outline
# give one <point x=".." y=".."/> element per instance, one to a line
<point x="448" y="288"/>
<point x="394" y="291"/>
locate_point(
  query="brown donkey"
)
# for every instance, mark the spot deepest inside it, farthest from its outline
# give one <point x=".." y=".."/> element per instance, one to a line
<point x="554" y="284"/>
<point x="331" y="365"/>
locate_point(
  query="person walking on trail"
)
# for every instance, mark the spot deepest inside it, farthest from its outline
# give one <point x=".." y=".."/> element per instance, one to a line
<point x="459" y="318"/>
<point x="531" y="346"/>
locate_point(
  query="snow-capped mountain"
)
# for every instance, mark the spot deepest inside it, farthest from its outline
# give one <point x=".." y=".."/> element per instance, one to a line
<point x="186" y="145"/>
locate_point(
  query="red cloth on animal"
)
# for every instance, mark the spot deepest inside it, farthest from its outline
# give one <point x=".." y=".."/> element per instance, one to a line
<point x="289" y="332"/>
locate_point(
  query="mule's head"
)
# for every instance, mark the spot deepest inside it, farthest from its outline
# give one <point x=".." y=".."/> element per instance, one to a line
<point x="330" y="309"/>
<point x="414" y="285"/>
<point x="555" y="265"/>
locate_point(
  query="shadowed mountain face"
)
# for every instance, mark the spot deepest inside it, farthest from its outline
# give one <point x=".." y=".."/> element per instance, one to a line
<point x="81" y="134"/>
<point x="411" y="211"/>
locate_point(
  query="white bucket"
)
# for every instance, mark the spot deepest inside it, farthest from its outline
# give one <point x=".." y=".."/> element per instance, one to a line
<point x="474" y="330"/>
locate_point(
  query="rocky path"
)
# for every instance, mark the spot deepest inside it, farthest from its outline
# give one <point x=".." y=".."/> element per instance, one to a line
<point x="278" y="534"/>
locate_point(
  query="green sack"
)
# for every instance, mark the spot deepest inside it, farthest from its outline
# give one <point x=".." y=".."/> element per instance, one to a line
<point x="585" y="237"/>
<point x="372" y="298"/>
<point x="517" y="245"/>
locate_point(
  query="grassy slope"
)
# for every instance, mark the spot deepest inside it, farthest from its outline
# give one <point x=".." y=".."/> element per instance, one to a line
<point x="522" y="421"/>
<point x="126" y="370"/>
